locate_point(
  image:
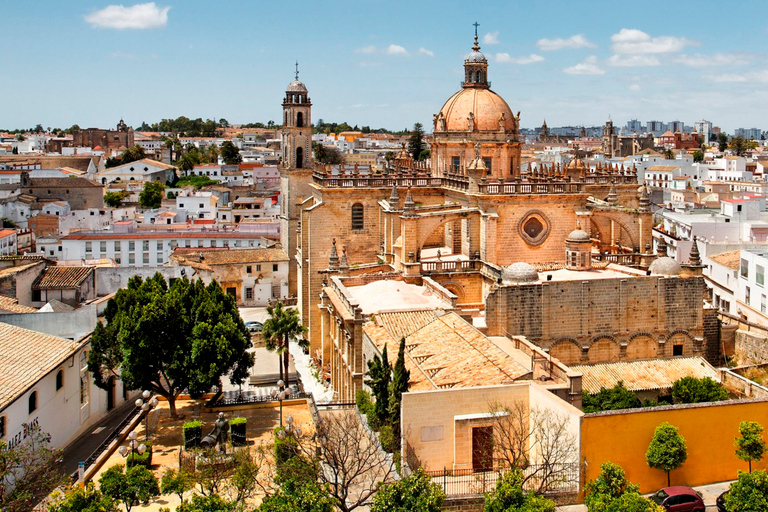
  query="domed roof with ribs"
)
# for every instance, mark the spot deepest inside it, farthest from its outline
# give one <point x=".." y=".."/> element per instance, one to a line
<point x="485" y="105"/>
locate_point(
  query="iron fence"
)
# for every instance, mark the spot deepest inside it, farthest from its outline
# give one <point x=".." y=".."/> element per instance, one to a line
<point x="549" y="479"/>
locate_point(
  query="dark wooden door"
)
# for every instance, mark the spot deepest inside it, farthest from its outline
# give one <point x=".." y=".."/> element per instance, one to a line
<point x="482" y="448"/>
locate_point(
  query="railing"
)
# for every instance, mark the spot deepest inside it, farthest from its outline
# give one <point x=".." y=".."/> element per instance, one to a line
<point x="428" y="267"/>
<point x="512" y="187"/>
<point x="630" y="258"/>
<point x="468" y="482"/>
<point x="249" y="397"/>
<point x="107" y="441"/>
<point x="374" y="181"/>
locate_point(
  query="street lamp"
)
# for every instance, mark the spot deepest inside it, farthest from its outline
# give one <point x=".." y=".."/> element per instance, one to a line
<point x="134" y="445"/>
<point x="289" y="429"/>
<point x="146" y="404"/>
<point x="282" y="394"/>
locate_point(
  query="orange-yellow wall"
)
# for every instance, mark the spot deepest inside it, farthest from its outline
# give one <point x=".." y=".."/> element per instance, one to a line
<point x="709" y="431"/>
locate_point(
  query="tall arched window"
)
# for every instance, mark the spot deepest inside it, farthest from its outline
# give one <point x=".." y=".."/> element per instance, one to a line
<point x="59" y="379"/>
<point x="32" y="402"/>
<point x="358" y="216"/>
<point x="299" y="158"/>
<point x="300" y="119"/>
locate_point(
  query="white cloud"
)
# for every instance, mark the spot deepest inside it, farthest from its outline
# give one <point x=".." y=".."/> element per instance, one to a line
<point x="716" y="59"/>
<point x="138" y="17"/>
<point x="366" y="50"/>
<point x="426" y="52"/>
<point x="491" y="37"/>
<point x="525" y="59"/>
<point x="634" y="87"/>
<point x="587" y="67"/>
<point x="577" y="41"/>
<point x="396" y="49"/>
<point x="630" y="40"/>
<point x="633" y="61"/>
<point x="753" y="77"/>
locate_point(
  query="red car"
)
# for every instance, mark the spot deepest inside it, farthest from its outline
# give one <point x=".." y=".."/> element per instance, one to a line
<point x="679" y="498"/>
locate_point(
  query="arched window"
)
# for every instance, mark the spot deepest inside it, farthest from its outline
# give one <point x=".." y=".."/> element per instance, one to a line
<point x="32" y="402"/>
<point x="59" y="380"/>
<point x="285" y="118"/>
<point x="300" y="119"/>
<point x="358" y="216"/>
<point x="299" y="158"/>
<point x="479" y="77"/>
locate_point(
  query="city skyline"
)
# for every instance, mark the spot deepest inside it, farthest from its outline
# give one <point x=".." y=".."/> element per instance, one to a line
<point x="382" y="66"/>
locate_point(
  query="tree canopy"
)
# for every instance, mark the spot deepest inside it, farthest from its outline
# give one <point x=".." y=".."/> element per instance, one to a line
<point x="750" y="445"/>
<point x="749" y="493"/>
<point x="400" y="377"/>
<point x="416" y="141"/>
<point x="170" y="339"/>
<point x="617" y="397"/>
<point x="509" y="495"/>
<point x="230" y="154"/>
<point x="186" y="127"/>
<point x="128" y="156"/>
<point x="136" y="484"/>
<point x="667" y="450"/>
<point x="414" y="493"/>
<point x="115" y="199"/>
<point x="327" y="155"/>
<point x="692" y="390"/>
<point x="612" y="492"/>
<point x="282" y="325"/>
<point x="152" y="195"/>
<point x="379" y="378"/>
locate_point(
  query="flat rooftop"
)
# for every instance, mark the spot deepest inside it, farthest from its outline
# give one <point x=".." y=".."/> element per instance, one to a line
<point x="582" y="275"/>
<point x="390" y="295"/>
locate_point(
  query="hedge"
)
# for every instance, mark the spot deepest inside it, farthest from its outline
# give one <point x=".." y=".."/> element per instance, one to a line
<point x="237" y="429"/>
<point x="193" y="432"/>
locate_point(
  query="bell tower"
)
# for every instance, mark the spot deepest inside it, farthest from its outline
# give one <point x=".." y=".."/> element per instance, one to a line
<point x="297" y="126"/>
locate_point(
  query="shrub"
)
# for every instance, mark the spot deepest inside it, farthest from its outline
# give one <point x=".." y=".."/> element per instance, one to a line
<point x="193" y="431"/>
<point x="140" y="459"/>
<point x="237" y="428"/>
<point x="387" y="438"/>
<point x="690" y="390"/>
<point x="364" y="404"/>
<point x="617" y="397"/>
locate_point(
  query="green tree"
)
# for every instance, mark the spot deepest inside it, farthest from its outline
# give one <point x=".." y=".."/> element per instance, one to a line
<point x="669" y="154"/>
<point x="327" y="155"/>
<point x="414" y="493"/>
<point x="722" y="141"/>
<point x="615" y="398"/>
<point x="115" y="199"/>
<point x="152" y="195"/>
<point x="424" y="155"/>
<point x="612" y="492"/>
<point x="750" y="445"/>
<point x="83" y="499"/>
<point x="692" y="390"/>
<point x="177" y="482"/>
<point x="399" y="385"/>
<point x="739" y="145"/>
<point x="749" y="493"/>
<point x="667" y="450"/>
<point x="310" y="498"/>
<point x="209" y="503"/>
<point x="29" y="470"/>
<point x="509" y="495"/>
<point x="230" y="153"/>
<point x="170" y="339"/>
<point x="698" y="156"/>
<point x="136" y="484"/>
<point x="379" y="378"/>
<point x="282" y="325"/>
<point x="416" y="141"/>
<point x="188" y="161"/>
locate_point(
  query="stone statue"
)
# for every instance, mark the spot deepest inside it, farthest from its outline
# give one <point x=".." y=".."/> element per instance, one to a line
<point x="477" y="150"/>
<point x="434" y="121"/>
<point x="502" y="122"/>
<point x="219" y="435"/>
<point x="441" y="122"/>
<point x="471" y="122"/>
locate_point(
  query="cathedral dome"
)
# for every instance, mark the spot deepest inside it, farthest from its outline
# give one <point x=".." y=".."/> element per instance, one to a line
<point x="665" y="266"/>
<point x="296" y="86"/>
<point x="486" y="106"/>
<point x="475" y="56"/>
<point x="519" y="273"/>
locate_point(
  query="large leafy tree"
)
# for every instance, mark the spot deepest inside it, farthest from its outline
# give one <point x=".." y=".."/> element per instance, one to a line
<point x="692" y="390"/>
<point x="29" y="470"/>
<point x="379" y="378"/>
<point x="509" y="495"/>
<point x="282" y="325"/>
<point x="750" y="445"/>
<point x="170" y="339"/>
<point x="617" y="397"/>
<point x="612" y="492"/>
<point x="414" y="493"/>
<point x="749" y="493"/>
<point x="400" y="378"/>
<point x="152" y="195"/>
<point x="136" y="484"/>
<point x="667" y="450"/>
<point x="83" y="499"/>
<point x="230" y="153"/>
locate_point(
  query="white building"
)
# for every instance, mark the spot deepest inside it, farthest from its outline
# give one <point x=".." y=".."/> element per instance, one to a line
<point x="196" y="205"/>
<point x="140" y="170"/>
<point x="45" y="381"/>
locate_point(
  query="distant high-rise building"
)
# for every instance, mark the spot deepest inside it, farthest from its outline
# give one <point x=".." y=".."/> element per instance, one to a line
<point x="676" y="126"/>
<point x="656" y="127"/>
<point x="748" y="133"/>
<point x="634" y="126"/>
<point x="704" y="128"/>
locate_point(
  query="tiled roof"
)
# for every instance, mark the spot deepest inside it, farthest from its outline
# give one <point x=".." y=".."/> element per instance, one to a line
<point x="57" y="278"/>
<point x="662" y="168"/>
<point x="403" y="323"/>
<point x="729" y="260"/>
<point x="643" y="375"/>
<point x="6" y="272"/>
<point x="69" y="182"/>
<point x="25" y="357"/>
<point x="12" y="305"/>
<point x="225" y="256"/>
<point x="447" y="352"/>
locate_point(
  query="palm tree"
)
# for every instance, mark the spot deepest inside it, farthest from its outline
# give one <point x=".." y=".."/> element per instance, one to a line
<point x="282" y="325"/>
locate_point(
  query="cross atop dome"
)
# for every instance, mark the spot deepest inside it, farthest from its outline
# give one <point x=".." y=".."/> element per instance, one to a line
<point x="297" y="70"/>
<point x="476" y="66"/>
<point x="476" y="46"/>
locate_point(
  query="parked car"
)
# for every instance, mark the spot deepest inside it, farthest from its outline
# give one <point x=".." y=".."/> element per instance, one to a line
<point x="721" y="501"/>
<point x="253" y="326"/>
<point x="679" y="498"/>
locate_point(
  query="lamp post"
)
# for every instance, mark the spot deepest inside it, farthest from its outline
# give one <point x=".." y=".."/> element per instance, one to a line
<point x="290" y="430"/>
<point x="146" y="404"/>
<point x="282" y="394"/>
<point x="134" y="445"/>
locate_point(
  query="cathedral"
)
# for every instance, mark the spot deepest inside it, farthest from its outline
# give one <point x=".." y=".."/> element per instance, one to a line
<point x="460" y="220"/>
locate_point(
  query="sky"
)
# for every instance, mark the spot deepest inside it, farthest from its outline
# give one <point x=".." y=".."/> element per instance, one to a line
<point x="381" y="64"/>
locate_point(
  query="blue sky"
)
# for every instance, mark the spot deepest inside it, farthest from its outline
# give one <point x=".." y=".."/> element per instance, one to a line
<point x="386" y="64"/>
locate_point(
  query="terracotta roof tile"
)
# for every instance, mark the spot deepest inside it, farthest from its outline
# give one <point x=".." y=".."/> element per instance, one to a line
<point x="25" y="357"/>
<point x="12" y="305"/>
<point x="643" y="375"/>
<point x="729" y="260"/>
<point x="56" y="278"/>
<point x="224" y="256"/>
